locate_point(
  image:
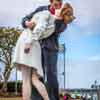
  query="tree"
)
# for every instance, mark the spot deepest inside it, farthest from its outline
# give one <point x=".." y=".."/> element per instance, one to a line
<point x="8" y="38"/>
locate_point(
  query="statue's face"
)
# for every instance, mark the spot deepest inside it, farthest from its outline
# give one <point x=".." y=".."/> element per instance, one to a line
<point x="56" y="4"/>
<point x="68" y="15"/>
<point x="67" y="11"/>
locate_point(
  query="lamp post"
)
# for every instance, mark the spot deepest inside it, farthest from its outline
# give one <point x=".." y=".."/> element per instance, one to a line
<point x="62" y="49"/>
<point x="64" y="66"/>
<point x="16" y="83"/>
<point x="1" y="76"/>
<point x="97" y="87"/>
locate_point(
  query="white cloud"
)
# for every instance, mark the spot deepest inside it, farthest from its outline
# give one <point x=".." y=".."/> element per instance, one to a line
<point x="20" y="5"/>
<point x="82" y="73"/>
<point x="12" y="11"/>
<point x="94" y="58"/>
<point x="86" y="11"/>
<point x="87" y="15"/>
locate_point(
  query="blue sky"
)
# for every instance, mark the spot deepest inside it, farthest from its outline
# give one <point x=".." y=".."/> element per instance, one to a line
<point x="84" y="47"/>
<point x="82" y="37"/>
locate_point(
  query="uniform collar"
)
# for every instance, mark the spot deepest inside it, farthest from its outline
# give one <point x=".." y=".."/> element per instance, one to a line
<point x="52" y="10"/>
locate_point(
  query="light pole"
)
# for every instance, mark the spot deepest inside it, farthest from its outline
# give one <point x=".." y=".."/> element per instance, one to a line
<point x="97" y="87"/>
<point x="1" y="76"/>
<point x="64" y="66"/>
<point x="62" y="49"/>
<point x="16" y="83"/>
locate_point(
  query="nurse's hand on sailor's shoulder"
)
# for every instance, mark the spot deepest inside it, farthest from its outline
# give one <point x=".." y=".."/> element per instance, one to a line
<point x="27" y="47"/>
<point x="30" y="24"/>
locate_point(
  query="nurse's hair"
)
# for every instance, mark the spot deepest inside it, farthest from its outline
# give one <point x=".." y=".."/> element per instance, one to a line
<point x="67" y="13"/>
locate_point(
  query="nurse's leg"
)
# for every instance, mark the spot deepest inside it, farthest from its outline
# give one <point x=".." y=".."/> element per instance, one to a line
<point x="39" y="85"/>
<point x="26" y="87"/>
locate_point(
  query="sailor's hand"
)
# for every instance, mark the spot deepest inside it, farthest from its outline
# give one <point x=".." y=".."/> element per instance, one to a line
<point x="27" y="48"/>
